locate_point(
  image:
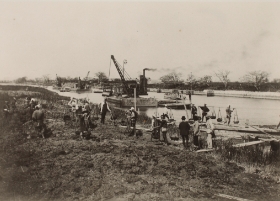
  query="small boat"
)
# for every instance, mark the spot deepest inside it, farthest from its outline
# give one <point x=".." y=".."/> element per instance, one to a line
<point x="107" y="91"/>
<point x="65" y="89"/>
<point x="210" y="93"/>
<point x="178" y="106"/>
<point x="167" y="101"/>
<point x="97" y="90"/>
<point x="174" y="95"/>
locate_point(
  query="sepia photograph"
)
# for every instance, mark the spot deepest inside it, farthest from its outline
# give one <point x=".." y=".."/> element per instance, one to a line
<point x="139" y="100"/>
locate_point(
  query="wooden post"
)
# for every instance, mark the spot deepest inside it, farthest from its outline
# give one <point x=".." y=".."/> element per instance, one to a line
<point x="191" y="106"/>
<point x="135" y="99"/>
<point x="135" y="109"/>
<point x="185" y="108"/>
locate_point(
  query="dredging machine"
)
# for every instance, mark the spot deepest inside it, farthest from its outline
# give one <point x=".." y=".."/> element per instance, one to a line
<point x="130" y="90"/>
<point x="77" y="85"/>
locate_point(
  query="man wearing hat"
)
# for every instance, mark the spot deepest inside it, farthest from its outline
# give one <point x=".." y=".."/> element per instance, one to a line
<point x="184" y="128"/>
<point x="104" y="107"/>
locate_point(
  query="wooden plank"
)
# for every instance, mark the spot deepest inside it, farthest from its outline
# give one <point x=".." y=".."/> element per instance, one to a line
<point x="231" y="197"/>
<point x="204" y="150"/>
<point x="246" y="144"/>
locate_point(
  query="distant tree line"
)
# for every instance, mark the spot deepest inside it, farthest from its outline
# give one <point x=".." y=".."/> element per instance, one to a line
<point x="252" y="81"/>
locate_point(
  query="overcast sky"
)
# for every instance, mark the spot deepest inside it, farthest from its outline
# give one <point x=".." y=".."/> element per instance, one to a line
<point x="72" y="38"/>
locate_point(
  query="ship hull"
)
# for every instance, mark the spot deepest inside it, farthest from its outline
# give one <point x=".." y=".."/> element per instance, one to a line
<point x="129" y="102"/>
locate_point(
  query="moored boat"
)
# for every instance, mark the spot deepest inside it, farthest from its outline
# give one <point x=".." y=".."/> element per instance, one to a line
<point x="174" y="95"/>
<point x="97" y="90"/>
<point x="129" y="102"/>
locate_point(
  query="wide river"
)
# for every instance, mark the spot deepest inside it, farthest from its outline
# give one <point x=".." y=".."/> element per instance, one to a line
<point x="257" y="111"/>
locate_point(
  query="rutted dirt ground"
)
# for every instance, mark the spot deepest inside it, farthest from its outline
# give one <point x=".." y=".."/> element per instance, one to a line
<point x="113" y="166"/>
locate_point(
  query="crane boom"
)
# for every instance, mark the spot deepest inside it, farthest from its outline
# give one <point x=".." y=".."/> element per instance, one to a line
<point x="126" y="88"/>
<point x="87" y="75"/>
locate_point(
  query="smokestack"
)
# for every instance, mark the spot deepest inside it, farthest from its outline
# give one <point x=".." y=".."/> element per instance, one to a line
<point x="144" y="79"/>
<point x="151" y="69"/>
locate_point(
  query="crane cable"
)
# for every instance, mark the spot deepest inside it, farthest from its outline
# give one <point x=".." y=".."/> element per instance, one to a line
<point x="110" y="67"/>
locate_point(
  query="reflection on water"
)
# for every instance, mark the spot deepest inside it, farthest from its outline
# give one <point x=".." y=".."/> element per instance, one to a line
<point x="258" y="111"/>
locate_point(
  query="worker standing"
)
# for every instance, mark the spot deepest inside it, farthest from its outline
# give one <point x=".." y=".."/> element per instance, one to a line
<point x="155" y="128"/>
<point x="228" y="112"/>
<point x="133" y="119"/>
<point x="194" y="111"/>
<point x="204" y="111"/>
<point x="196" y="132"/>
<point x="184" y="128"/>
<point x="163" y="127"/>
<point x="74" y="104"/>
<point x="104" y="107"/>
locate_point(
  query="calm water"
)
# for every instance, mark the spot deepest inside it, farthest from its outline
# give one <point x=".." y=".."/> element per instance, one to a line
<point x="258" y="111"/>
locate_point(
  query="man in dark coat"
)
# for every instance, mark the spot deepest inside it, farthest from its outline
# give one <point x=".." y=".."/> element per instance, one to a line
<point x="184" y="128"/>
<point x="103" y="109"/>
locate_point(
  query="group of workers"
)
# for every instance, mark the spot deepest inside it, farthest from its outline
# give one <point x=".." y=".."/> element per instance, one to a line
<point x="84" y="111"/>
<point x="159" y="126"/>
<point x="205" y="112"/>
<point x="32" y="110"/>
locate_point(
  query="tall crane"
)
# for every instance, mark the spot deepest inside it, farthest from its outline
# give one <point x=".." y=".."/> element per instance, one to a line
<point x="58" y="81"/>
<point x="127" y="90"/>
<point x="86" y="78"/>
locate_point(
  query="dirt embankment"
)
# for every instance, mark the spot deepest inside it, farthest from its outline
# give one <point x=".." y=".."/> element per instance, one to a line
<point x="113" y="166"/>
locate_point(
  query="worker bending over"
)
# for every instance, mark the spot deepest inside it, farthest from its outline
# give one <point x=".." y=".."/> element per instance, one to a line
<point x="38" y="117"/>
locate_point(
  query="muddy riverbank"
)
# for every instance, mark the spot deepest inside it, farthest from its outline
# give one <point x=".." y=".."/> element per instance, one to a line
<point x="114" y="166"/>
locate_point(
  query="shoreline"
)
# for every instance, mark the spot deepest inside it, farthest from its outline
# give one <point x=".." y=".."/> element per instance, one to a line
<point x="217" y="93"/>
<point x="233" y="93"/>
